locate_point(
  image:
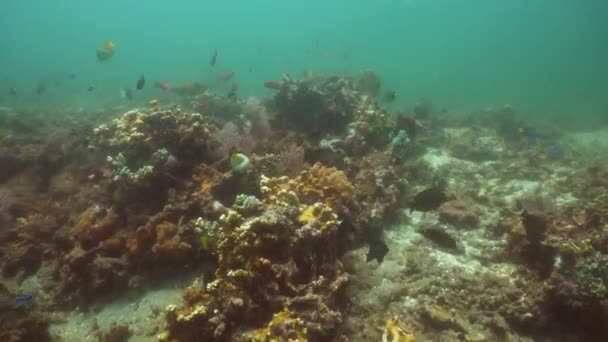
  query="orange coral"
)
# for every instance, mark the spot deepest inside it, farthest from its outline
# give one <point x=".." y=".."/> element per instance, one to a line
<point x="141" y="241"/>
<point x="90" y="230"/>
<point x="324" y="183"/>
<point x="207" y="177"/>
<point x="165" y="231"/>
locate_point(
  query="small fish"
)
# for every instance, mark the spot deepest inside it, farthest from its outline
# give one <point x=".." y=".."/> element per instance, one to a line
<point x="90" y="88"/>
<point x="13" y="91"/>
<point x="24" y="299"/>
<point x="72" y="76"/>
<point x="213" y="58"/>
<point x="233" y="89"/>
<point x="389" y="96"/>
<point x="140" y="83"/>
<point x="273" y="85"/>
<point x="126" y="93"/>
<point x="552" y="150"/>
<point x="227" y="76"/>
<point x="41" y="88"/>
<point x="521" y="130"/>
<point x="377" y="251"/>
<point x="200" y="105"/>
<point x="203" y="243"/>
<point x="162" y="85"/>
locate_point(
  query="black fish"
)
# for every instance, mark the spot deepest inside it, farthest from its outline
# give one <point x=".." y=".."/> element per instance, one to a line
<point x="140" y="83"/>
<point x="72" y="76"/>
<point x="213" y="58"/>
<point x="91" y="88"/>
<point x="377" y="251"/>
<point x="13" y="91"/>
<point x="389" y="96"/>
<point x="429" y="199"/>
<point x="41" y="88"/>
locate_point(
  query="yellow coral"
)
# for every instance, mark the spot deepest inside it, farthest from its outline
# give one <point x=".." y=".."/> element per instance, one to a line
<point x="307" y="215"/>
<point x="285" y="326"/>
<point x="322" y="213"/>
<point x="394" y="333"/>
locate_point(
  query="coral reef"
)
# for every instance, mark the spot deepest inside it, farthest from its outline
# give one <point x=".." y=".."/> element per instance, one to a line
<point x="313" y="215"/>
<point x="266" y="265"/>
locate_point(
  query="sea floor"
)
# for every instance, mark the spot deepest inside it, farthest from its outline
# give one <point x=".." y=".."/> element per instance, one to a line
<point x="469" y="269"/>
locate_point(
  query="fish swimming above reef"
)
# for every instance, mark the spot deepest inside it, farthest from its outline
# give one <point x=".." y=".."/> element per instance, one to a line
<point x="233" y="89"/>
<point x="377" y="251"/>
<point x="12" y="91"/>
<point x="41" y="88"/>
<point x="126" y="93"/>
<point x="429" y="199"/>
<point x="141" y="82"/>
<point x="226" y="76"/>
<point x="163" y="85"/>
<point x="389" y="96"/>
<point x="213" y="58"/>
<point x="90" y="88"/>
<point x="273" y="85"/>
<point x="24" y="299"/>
<point x="106" y="51"/>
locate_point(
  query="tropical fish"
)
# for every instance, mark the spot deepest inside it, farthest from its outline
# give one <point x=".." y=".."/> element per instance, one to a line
<point x="213" y="58"/>
<point x="200" y="105"/>
<point x="140" y="83"/>
<point x="41" y="88"/>
<point x="227" y="76"/>
<point x="429" y="199"/>
<point x="389" y="96"/>
<point x="91" y="88"/>
<point x="24" y="299"/>
<point x="203" y="242"/>
<point x="13" y="91"/>
<point x="239" y="162"/>
<point x="126" y="93"/>
<point x="162" y="85"/>
<point x="273" y="85"/>
<point x="233" y="89"/>
<point x="106" y="50"/>
<point x="377" y="251"/>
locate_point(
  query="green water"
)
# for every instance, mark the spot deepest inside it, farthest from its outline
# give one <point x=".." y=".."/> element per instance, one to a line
<point x="543" y="57"/>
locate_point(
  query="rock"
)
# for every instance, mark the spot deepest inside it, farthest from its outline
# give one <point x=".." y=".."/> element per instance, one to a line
<point x="459" y="213"/>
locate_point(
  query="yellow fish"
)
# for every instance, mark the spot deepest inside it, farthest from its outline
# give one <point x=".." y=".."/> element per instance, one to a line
<point x="106" y="50"/>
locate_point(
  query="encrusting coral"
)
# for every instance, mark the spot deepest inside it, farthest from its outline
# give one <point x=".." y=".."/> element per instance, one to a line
<point x="269" y="274"/>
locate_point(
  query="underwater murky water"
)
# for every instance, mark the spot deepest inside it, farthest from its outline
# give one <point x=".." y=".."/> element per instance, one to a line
<point x="303" y="171"/>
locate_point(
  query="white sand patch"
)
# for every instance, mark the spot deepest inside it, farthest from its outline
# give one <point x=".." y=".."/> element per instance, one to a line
<point x="144" y="314"/>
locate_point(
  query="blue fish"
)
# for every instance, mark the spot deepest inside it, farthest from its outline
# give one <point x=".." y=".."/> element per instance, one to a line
<point x="24" y="298"/>
<point x="552" y="150"/>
